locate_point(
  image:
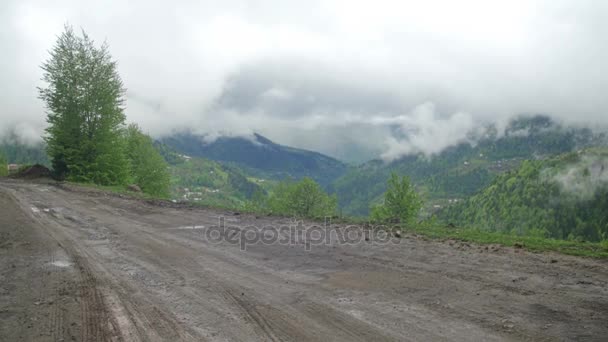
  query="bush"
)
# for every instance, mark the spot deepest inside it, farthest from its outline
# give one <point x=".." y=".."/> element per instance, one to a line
<point x="305" y="198"/>
<point x="401" y="202"/>
<point x="3" y="165"/>
<point x="147" y="166"/>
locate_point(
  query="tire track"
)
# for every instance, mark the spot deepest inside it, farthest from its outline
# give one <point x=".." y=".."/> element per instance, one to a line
<point x="94" y="314"/>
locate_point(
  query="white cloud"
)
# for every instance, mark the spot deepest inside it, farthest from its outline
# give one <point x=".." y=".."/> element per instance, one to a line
<point x="424" y="131"/>
<point x="584" y="177"/>
<point x="343" y="65"/>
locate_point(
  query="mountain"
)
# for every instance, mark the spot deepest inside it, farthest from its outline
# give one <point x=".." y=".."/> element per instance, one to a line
<point x="563" y="197"/>
<point x="259" y="156"/>
<point x="460" y="171"/>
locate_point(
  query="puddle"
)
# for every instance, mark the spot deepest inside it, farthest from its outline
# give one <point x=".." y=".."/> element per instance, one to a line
<point x="60" y="259"/>
<point x="189" y="227"/>
<point x="61" y="263"/>
<point x="356" y="313"/>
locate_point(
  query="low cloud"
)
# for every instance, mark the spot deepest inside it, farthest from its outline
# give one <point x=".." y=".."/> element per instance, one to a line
<point x="584" y="178"/>
<point x="425" y="132"/>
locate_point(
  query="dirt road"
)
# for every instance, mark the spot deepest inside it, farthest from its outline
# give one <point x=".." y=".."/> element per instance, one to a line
<point x="83" y="265"/>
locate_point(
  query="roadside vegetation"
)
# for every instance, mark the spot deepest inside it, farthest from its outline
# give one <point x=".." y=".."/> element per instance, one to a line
<point x="147" y="166"/>
<point x="87" y="138"/>
<point x="3" y="165"/>
<point x="531" y="243"/>
<point x="305" y="199"/>
<point x="401" y="203"/>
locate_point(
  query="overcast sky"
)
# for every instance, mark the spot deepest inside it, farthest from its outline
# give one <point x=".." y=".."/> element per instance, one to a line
<point x="352" y="79"/>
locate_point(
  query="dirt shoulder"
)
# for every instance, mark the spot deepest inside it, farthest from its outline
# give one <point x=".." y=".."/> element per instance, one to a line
<point x="44" y="295"/>
<point x="142" y="271"/>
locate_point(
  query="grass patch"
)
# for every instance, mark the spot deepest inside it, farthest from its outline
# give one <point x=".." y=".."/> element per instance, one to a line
<point x="118" y="189"/>
<point x="535" y="244"/>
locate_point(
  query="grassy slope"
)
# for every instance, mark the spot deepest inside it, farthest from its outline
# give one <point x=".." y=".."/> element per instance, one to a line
<point x="534" y="244"/>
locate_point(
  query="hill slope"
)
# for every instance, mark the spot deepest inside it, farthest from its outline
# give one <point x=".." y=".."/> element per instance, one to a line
<point x="206" y="181"/>
<point x="564" y="197"/>
<point x="260" y="156"/>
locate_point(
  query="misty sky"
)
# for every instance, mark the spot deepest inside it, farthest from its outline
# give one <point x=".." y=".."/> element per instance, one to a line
<point x="352" y="79"/>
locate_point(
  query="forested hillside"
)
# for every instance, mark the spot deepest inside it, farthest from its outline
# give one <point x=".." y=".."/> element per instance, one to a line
<point x="461" y="170"/>
<point x="565" y="197"/>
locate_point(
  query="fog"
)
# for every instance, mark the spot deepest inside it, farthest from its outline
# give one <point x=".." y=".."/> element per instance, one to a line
<point x="354" y="80"/>
<point x="583" y="178"/>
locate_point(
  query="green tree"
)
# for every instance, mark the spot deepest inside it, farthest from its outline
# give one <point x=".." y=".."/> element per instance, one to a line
<point x="148" y="167"/>
<point x="401" y="202"/>
<point x="257" y="203"/>
<point x="305" y="198"/>
<point x="3" y="165"/>
<point x="84" y="98"/>
<point x="308" y="199"/>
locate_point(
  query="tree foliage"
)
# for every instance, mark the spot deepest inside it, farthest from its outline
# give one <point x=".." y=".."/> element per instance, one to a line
<point x="401" y="202"/>
<point x="3" y="165"/>
<point x="84" y="98"/>
<point x="304" y="198"/>
<point x="148" y="168"/>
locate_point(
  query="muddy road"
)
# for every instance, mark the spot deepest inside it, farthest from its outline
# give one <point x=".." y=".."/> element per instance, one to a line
<point x="83" y="265"/>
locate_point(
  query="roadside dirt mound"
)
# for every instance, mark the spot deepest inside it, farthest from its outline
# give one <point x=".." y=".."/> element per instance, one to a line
<point x="34" y="171"/>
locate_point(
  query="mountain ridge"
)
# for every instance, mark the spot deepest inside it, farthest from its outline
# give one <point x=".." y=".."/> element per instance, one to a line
<point x="259" y="156"/>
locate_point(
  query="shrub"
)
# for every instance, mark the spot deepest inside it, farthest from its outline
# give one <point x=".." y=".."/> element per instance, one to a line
<point x="401" y="202"/>
<point x="305" y="198"/>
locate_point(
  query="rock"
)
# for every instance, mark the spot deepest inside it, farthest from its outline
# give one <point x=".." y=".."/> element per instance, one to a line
<point x="397" y="234"/>
<point x="134" y="188"/>
<point x="553" y="261"/>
